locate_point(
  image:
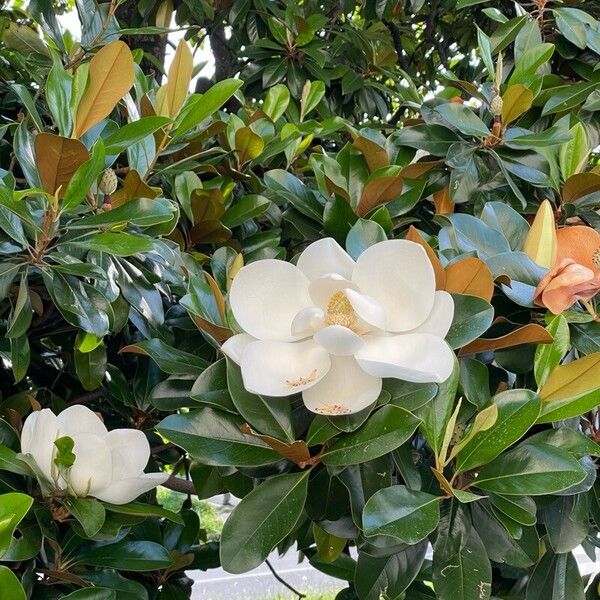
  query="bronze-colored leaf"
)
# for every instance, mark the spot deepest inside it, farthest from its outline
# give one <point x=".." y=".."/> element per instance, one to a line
<point x="297" y="451"/>
<point x="111" y="76"/>
<point x="528" y="334"/>
<point x="580" y="185"/>
<point x="470" y="276"/>
<point x="379" y="191"/>
<point x="440" y="274"/>
<point x="442" y="202"/>
<point x="217" y="294"/>
<point x="133" y="187"/>
<point x="375" y="155"/>
<point x="57" y="158"/>
<point x="219" y="333"/>
<point x="207" y="204"/>
<point x="418" y="169"/>
<point x="209" y="232"/>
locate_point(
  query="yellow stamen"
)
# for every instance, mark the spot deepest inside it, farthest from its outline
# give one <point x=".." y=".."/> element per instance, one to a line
<point x="340" y="312"/>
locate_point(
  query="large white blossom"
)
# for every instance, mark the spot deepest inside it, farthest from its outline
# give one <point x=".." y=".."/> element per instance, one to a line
<point x="109" y="465"/>
<point x="332" y="328"/>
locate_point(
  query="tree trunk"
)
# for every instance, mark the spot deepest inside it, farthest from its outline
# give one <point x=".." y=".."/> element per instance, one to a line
<point x="154" y="46"/>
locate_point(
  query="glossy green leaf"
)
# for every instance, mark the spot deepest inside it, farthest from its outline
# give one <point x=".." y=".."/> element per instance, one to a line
<point x="169" y="359"/>
<point x="276" y="101"/>
<point x="389" y="575"/>
<point x="436" y="413"/>
<point x="125" y="555"/>
<point x="463" y="119"/>
<point x="556" y="577"/>
<point x="548" y="356"/>
<point x="472" y="317"/>
<point x="201" y="106"/>
<point x="216" y="439"/>
<point x="13" y="508"/>
<point x="517" y="412"/>
<point x="84" y="178"/>
<point x="10" y="586"/>
<point x="530" y="470"/>
<point x="402" y="513"/>
<point x="461" y="568"/>
<point x="132" y="133"/>
<point x="261" y="520"/>
<point x="89" y="512"/>
<point x="384" y="431"/>
<point x="271" y="416"/>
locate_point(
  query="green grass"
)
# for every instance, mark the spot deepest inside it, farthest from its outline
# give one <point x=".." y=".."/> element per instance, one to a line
<point x="209" y="518"/>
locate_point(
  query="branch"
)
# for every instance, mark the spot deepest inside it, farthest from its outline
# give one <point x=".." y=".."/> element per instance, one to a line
<point x="178" y="484"/>
<point x="284" y="582"/>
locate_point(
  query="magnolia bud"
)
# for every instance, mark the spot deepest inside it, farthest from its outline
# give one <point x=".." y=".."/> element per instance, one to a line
<point x="540" y="243"/>
<point x="108" y="182"/>
<point x="496" y="106"/>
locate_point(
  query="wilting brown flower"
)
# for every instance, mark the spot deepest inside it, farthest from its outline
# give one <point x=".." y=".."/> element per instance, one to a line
<point x="575" y="275"/>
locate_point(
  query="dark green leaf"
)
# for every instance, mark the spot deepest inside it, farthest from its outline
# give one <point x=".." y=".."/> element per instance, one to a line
<point x="261" y="520"/>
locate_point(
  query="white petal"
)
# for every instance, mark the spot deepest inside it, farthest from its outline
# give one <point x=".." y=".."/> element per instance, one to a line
<point x="37" y="438"/>
<point x="338" y="340"/>
<point x="92" y="470"/>
<point x="346" y="389"/>
<point x="416" y="357"/>
<point x="367" y="308"/>
<point x="440" y="318"/>
<point x="322" y="289"/>
<point x="234" y="346"/>
<point x="282" y="369"/>
<point x="323" y="257"/>
<point x="398" y="274"/>
<point x="130" y="452"/>
<point x="265" y="297"/>
<point x="307" y="321"/>
<point x="80" y="419"/>
<point x="127" y="490"/>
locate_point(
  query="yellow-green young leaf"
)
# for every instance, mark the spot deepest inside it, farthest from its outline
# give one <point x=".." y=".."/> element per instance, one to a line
<point x="573" y="155"/>
<point x="572" y="380"/>
<point x="111" y="75"/>
<point x="482" y="422"/>
<point x="540" y="243"/>
<point x="176" y="89"/>
<point x="57" y="159"/>
<point x="10" y="586"/>
<point x="248" y="144"/>
<point x="516" y="100"/>
<point x="312" y="94"/>
<point x="329" y="546"/>
<point x="449" y="433"/>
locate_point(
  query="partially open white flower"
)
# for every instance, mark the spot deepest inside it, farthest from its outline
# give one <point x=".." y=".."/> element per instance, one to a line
<point x="109" y="465"/>
<point x="332" y="328"/>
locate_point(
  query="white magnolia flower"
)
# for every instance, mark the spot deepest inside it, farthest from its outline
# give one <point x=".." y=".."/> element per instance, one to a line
<point x="109" y="465"/>
<point x="331" y="327"/>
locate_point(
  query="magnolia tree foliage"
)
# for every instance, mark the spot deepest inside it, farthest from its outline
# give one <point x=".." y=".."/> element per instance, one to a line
<point x="129" y="206"/>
